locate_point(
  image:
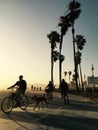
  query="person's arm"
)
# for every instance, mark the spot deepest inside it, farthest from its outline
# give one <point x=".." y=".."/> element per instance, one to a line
<point x="12" y="86"/>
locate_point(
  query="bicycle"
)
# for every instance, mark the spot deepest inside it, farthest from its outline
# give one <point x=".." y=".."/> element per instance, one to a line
<point x="9" y="102"/>
<point x="49" y="95"/>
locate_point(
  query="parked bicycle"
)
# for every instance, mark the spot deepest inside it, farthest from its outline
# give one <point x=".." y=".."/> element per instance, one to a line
<point x="13" y="101"/>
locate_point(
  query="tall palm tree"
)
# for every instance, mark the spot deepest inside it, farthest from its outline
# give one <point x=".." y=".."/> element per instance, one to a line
<point x="54" y="38"/>
<point x="74" y="12"/>
<point x="64" y="24"/>
<point x="80" y="42"/>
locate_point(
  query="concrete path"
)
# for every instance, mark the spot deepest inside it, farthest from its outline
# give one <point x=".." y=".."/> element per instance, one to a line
<point x="80" y="114"/>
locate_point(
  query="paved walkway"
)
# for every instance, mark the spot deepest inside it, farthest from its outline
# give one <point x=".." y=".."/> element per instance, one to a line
<point x="80" y="114"/>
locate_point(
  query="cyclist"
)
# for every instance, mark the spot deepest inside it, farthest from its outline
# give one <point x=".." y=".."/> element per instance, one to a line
<point x="49" y="89"/>
<point x="22" y="86"/>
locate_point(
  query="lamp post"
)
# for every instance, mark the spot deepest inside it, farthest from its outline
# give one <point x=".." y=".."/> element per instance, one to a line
<point x="93" y="76"/>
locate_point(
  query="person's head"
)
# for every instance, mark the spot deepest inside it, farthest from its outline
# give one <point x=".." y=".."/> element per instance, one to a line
<point x="63" y="80"/>
<point x="20" y="77"/>
<point x="49" y="81"/>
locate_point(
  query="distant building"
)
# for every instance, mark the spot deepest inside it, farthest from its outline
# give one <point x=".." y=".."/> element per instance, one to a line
<point x="92" y="81"/>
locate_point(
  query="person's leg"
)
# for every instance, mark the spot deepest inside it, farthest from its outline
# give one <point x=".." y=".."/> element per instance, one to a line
<point x="67" y="99"/>
<point x="64" y="97"/>
<point x="18" y="97"/>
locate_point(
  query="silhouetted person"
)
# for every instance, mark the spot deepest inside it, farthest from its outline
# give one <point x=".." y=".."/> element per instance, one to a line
<point x="21" y="84"/>
<point x="32" y="87"/>
<point x="64" y="91"/>
<point x="37" y="88"/>
<point x="21" y="87"/>
<point x="40" y="88"/>
<point x="49" y="87"/>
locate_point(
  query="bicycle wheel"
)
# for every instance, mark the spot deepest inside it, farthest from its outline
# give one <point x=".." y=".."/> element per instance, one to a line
<point x="7" y="105"/>
<point x="49" y="97"/>
<point x="24" y="102"/>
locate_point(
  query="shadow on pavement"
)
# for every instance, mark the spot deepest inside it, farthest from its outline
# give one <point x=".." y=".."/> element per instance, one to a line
<point x="56" y="121"/>
<point x="76" y="105"/>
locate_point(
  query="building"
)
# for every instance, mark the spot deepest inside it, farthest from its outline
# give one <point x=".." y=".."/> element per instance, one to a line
<point x="92" y="81"/>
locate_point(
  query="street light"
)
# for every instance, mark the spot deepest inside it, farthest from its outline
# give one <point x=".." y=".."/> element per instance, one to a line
<point x="93" y="76"/>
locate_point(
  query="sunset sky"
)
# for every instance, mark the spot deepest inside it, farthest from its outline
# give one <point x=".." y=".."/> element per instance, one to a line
<point x="25" y="48"/>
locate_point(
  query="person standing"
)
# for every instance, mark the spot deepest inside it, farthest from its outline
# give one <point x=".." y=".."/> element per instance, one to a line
<point x="64" y="91"/>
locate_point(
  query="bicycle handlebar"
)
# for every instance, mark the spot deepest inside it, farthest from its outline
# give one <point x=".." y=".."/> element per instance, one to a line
<point x="9" y="88"/>
<point x="12" y="88"/>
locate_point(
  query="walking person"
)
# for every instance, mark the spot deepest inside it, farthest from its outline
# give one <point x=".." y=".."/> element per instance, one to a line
<point x="64" y="91"/>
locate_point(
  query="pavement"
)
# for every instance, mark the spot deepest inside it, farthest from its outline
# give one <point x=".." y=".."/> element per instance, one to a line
<point x="80" y="114"/>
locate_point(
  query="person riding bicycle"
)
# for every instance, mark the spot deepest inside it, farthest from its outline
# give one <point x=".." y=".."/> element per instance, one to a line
<point x="22" y="86"/>
<point x="49" y="89"/>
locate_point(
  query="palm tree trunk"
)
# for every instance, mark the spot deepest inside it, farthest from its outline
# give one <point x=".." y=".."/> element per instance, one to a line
<point x="60" y="64"/>
<point x="81" y="77"/>
<point x="52" y="65"/>
<point x="78" y="78"/>
<point x="75" y="64"/>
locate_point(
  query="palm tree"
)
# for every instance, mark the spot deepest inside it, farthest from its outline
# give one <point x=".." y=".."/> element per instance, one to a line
<point x="55" y="56"/>
<point x="80" y="42"/>
<point x="54" y="38"/>
<point x="74" y="12"/>
<point x="64" y="24"/>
